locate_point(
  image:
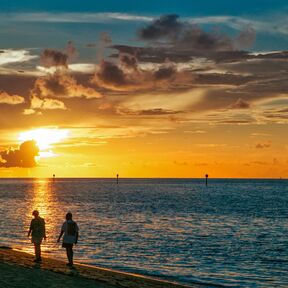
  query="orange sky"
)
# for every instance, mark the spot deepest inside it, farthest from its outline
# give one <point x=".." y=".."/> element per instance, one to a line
<point x="175" y="99"/>
<point x="241" y="151"/>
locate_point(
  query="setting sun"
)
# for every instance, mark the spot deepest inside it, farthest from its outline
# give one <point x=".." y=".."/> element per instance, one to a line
<point x="44" y="137"/>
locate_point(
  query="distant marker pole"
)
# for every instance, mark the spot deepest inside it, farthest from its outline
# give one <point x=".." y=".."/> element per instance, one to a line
<point x="117" y="178"/>
<point x="206" y="176"/>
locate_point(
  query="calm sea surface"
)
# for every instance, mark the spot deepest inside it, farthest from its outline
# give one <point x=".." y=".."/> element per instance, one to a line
<point x="232" y="233"/>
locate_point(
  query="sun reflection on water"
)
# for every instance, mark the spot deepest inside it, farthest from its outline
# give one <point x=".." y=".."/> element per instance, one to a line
<point x="42" y="196"/>
<point x="42" y="199"/>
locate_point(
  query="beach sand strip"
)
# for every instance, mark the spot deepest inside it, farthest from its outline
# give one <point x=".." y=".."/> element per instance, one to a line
<point x="104" y="278"/>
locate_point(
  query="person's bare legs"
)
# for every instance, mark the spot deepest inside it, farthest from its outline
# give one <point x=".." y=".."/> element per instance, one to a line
<point x="37" y="249"/>
<point x="69" y="251"/>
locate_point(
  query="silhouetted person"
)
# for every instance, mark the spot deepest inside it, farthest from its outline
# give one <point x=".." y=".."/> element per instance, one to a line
<point x="70" y="230"/>
<point x="38" y="232"/>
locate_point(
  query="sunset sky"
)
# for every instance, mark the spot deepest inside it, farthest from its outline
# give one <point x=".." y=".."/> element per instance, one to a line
<point x="144" y="88"/>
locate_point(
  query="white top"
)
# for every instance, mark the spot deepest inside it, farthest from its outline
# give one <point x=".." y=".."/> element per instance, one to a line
<point x="69" y="228"/>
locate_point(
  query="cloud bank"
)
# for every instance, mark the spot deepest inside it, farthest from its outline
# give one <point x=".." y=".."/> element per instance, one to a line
<point x="175" y="67"/>
<point x="23" y="157"/>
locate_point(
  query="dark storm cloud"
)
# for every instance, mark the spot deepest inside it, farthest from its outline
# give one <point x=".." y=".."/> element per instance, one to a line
<point x="118" y="76"/>
<point x="50" y="86"/>
<point x="196" y="39"/>
<point x="22" y="157"/>
<point x="181" y="35"/>
<point x="176" y="41"/>
<point x="59" y="84"/>
<point x="155" y="54"/>
<point x="167" y="26"/>
<point x="127" y="75"/>
<point x="164" y="73"/>
<point x="53" y="58"/>
<point x="187" y="67"/>
<point x="110" y="73"/>
<point x="128" y="61"/>
<point x="56" y="58"/>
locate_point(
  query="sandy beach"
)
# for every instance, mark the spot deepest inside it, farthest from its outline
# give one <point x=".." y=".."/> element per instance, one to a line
<point x="17" y="269"/>
<point x="18" y="276"/>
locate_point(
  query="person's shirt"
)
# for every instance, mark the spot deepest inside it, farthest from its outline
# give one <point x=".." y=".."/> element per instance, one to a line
<point x="70" y="230"/>
<point x="37" y="227"/>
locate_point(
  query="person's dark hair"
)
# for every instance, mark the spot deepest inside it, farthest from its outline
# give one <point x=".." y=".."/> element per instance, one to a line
<point x="35" y="213"/>
<point x="69" y="216"/>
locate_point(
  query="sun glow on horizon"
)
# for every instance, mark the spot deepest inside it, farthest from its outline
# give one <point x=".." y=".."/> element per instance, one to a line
<point x="44" y="138"/>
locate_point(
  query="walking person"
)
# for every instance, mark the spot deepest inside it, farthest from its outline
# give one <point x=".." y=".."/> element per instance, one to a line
<point x="38" y="232"/>
<point x="70" y="230"/>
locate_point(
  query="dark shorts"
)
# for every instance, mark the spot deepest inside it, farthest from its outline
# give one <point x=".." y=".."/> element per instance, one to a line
<point x="67" y="245"/>
<point x="36" y="240"/>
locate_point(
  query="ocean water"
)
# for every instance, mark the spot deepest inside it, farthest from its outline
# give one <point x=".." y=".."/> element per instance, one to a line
<point x="232" y="233"/>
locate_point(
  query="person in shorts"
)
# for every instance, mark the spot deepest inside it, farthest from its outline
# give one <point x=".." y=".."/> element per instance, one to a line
<point x="70" y="230"/>
<point x="38" y="232"/>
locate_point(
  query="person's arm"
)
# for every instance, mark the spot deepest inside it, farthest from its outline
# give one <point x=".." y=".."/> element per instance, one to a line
<point x="30" y="229"/>
<point x="61" y="233"/>
<point x="44" y="228"/>
<point x="58" y="240"/>
<point x="77" y="233"/>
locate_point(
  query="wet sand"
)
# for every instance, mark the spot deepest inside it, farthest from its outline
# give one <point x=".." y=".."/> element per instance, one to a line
<point x="18" y="276"/>
<point x="17" y="269"/>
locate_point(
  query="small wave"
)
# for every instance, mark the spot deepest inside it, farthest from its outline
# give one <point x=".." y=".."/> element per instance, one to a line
<point x="274" y="260"/>
<point x="5" y="247"/>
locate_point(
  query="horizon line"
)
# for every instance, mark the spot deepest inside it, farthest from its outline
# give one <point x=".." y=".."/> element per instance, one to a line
<point x="188" y="178"/>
